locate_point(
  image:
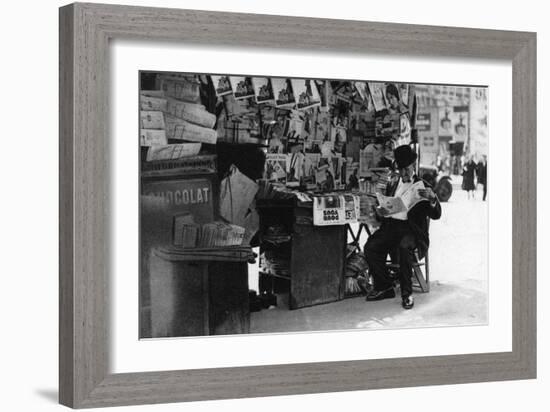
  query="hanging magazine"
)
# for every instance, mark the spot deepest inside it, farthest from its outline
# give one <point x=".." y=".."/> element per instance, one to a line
<point x="237" y="192"/>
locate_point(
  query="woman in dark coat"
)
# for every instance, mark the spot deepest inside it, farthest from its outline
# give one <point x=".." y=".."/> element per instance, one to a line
<point x="468" y="174"/>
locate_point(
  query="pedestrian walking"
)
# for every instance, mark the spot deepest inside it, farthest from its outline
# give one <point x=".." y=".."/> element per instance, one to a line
<point x="468" y="175"/>
<point x="481" y="172"/>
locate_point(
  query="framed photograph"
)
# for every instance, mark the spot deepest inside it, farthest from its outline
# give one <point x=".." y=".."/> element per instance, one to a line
<point x="183" y="250"/>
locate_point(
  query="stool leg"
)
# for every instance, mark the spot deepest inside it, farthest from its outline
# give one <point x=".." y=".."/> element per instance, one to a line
<point x="420" y="278"/>
<point x="427" y="270"/>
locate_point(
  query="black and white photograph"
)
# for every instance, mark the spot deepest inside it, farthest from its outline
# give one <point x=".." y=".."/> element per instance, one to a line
<point x="274" y="237"/>
<point x="162" y="247"/>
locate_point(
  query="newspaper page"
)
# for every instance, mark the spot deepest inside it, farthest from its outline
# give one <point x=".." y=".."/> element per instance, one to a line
<point x="390" y="205"/>
<point x="411" y="197"/>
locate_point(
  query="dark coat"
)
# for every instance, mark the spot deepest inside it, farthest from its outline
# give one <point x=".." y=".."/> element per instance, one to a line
<point x="481" y="172"/>
<point x="468" y="176"/>
<point x="418" y="217"/>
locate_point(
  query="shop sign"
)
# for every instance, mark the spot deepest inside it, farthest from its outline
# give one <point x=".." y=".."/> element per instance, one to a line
<point x="184" y="195"/>
<point x="423" y="122"/>
<point x="429" y="143"/>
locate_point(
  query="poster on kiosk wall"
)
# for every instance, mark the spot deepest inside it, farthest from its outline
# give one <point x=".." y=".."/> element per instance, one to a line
<point x="335" y="209"/>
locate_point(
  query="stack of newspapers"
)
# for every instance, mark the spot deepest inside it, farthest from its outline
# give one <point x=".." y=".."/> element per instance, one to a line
<point x="151" y="118"/>
<point x="173" y="123"/>
<point x="207" y="235"/>
<point x="186" y="119"/>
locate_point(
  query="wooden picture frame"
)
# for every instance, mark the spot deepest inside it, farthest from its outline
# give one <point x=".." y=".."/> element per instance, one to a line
<point x="85" y="31"/>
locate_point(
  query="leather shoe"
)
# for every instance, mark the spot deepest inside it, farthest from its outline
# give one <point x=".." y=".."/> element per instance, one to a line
<point x="380" y="294"/>
<point x="408" y="302"/>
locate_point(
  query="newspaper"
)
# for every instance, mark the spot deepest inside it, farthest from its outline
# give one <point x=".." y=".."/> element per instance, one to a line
<point x="335" y="209"/>
<point x="390" y="205"/>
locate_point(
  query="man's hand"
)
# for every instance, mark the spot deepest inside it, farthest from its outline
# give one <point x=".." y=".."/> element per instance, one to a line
<point x="427" y="193"/>
<point x="381" y="211"/>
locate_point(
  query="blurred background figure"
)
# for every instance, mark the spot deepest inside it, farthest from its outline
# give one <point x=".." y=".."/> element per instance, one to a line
<point x="481" y="172"/>
<point x="468" y="174"/>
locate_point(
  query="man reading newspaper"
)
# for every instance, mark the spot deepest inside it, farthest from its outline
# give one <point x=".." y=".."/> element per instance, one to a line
<point x="404" y="211"/>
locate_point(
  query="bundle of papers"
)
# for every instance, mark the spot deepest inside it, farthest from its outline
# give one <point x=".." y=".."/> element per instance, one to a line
<point x="219" y="234"/>
<point x="152" y="103"/>
<point x="173" y="151"/>
<point x="188" y="234"/>
<point x="180" y="129"/>
<point x="275" y="262"/>
<point x="151" y="119"/>
<point x="180" y="87"/>
<point x="150" y="137"/>
<point x="191" y="112"/>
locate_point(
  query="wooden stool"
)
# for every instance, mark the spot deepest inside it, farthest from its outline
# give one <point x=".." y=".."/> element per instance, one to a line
<point x="420" y="282"/>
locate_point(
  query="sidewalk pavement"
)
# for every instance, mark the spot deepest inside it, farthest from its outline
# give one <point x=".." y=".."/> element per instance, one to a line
<point x="458" y="274"/>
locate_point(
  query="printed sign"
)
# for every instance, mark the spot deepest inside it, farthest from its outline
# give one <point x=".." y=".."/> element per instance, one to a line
<point x="424" y="122"/>
<point x="184" y="195"/>
<point x="331" y="210"/>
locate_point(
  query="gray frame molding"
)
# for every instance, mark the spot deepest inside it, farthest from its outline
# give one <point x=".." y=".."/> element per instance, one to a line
<point x="85" y="31"/>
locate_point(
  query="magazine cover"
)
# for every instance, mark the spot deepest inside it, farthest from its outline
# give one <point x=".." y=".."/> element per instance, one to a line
<point x="363" y="92"/>
<point x="222" y="85"/>
<point x="282" y="90"/>
<point x="275" y="167"/>
<point x="242" y="87"/>
<point x="263" y="90"/>
<point x="393" y="99"/>
<point x="323" y="87"/>
<point x="404" y="93"/>
<point x="339" y="138"/>
<point x="310" y="167"/>
<point x="306" y="93"/>
<point x="377" y="93"/>
<point x="404" y="130"/>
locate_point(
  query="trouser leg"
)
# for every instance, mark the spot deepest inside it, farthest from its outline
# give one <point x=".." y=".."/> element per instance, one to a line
<point x="484" y="190"/>
<point x="376" y="251"/>
<point x="406" y="255"/>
